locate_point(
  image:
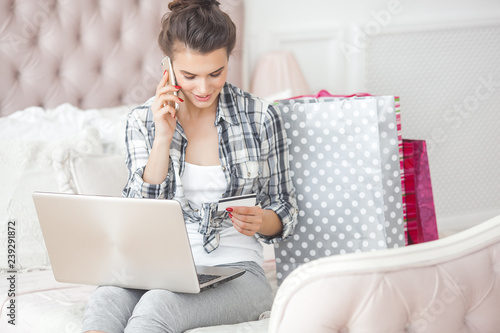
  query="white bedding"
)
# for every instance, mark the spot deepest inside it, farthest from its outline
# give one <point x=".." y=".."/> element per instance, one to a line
<point x="43" y="304"/>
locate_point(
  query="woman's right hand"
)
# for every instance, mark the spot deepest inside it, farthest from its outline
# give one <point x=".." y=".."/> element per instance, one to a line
<point x="163" y="113"/>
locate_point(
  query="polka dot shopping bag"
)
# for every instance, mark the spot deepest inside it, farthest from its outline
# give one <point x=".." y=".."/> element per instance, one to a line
<point x="346" y="162"/>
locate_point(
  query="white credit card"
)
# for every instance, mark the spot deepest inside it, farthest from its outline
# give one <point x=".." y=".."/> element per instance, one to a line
<point x="247" y="200"/>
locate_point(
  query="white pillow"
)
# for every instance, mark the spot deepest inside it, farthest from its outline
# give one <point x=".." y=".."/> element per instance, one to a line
<point x="87" y="173"/>
<point x="38" y="124"/>
<point x="99" y="174"/>
<point x="62" y="122"/>
<point x="25" y="167"/>
<point x="111" y="125"/>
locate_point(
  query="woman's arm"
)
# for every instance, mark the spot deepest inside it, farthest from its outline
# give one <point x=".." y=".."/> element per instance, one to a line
<point x="277" y="192"/>
<point x="165" y="122"/>
<point x="279" y="216"/>
<point x="148" y="164"/>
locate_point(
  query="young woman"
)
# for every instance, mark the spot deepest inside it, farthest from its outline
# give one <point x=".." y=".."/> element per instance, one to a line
<point x="221" y="142"/>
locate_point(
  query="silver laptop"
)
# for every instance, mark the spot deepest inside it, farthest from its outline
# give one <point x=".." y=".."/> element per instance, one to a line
<point x="126" y="242"/>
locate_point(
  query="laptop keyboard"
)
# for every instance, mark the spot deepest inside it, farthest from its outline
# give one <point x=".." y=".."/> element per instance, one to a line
<point x="203" y="278"/>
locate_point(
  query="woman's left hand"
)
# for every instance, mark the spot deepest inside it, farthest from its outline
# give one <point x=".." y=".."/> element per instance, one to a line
<point x="246" y="220"/>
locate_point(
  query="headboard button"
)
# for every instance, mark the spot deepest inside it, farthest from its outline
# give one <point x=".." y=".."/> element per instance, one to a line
<point x="49" y="6"/>
<point x="34" y="39"/>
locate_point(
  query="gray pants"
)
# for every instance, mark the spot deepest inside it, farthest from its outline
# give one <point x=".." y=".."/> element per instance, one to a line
<point x="115" y="309"/>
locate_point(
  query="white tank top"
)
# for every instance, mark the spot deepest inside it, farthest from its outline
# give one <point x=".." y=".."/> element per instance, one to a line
<point x="207" y="184"/>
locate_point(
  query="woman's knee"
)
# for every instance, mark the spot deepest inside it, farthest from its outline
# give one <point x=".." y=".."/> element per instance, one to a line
<point x="156" y="311"/>
<point x="157" y="300"/>
<point x="109" y="309"/>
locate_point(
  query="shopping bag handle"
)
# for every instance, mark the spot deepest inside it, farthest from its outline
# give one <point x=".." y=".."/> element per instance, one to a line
<point x="325" y="93"/>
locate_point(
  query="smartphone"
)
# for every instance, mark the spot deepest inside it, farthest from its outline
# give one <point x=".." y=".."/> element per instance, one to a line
<point x="166" y="64"/>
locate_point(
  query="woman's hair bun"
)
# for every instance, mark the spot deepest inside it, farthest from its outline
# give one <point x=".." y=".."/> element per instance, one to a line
<point x="199" y="25"/>
<point x="178" y="5"/>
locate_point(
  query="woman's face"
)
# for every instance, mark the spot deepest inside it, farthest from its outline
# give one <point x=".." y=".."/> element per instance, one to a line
<point x="200" y="76"/>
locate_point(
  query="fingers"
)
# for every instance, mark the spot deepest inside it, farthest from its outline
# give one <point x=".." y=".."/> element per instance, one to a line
<point x="164" y="91"/>
<point x="167" y="89"/>
<point x="163" y="87"/>
<point x="164" y="95"/>
<point x="163" y="81"/>
<point x="164" y="109"/>
<point x="245" y="210"/>
<point x="164" y="99"/>
<point x="167" y="94"/>
<point x="245" y="228"/>
<point x="246" y="220"/>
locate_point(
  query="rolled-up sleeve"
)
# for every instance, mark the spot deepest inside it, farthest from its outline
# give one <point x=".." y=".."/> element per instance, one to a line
<point x="138" y="140"/>
<point x="277" y="192"/>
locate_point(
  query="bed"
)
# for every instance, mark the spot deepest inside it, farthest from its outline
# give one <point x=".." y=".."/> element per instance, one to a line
<point x="70" y="72"/>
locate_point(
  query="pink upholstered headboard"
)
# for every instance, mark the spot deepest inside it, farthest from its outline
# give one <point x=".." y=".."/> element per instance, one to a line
<point x="88" y="53"/>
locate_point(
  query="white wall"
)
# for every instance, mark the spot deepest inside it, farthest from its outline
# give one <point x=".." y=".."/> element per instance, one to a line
<point x="315" y="30"/>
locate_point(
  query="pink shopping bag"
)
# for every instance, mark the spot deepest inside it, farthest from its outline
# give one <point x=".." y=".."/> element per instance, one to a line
<point x="420" y="211"/>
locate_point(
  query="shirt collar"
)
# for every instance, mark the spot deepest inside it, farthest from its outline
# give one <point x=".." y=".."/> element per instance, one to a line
<point x="228" y="107"/>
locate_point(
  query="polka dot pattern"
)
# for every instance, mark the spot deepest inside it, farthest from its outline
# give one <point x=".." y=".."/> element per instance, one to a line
<point x="389" y="145"/>
<point x="339" y="159"/>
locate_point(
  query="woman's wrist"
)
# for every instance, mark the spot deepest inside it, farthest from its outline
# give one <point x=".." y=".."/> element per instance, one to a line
<point x="162" y="141"/>
<point x="271" y="223"/>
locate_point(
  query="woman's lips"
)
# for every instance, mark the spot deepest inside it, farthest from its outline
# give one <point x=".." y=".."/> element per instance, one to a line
<point x="202" y="98"/>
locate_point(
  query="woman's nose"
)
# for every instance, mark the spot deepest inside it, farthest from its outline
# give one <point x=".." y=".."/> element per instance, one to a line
<point x="203" y="87"/>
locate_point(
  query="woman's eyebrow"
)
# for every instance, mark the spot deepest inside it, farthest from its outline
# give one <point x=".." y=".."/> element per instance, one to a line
<point x="191" y="74"/>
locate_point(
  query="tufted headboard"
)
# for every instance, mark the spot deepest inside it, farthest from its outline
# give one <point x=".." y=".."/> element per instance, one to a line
<point x="88" y="53"/>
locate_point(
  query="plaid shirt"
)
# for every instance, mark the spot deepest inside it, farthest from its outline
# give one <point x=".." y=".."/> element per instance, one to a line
<point x="253" y="154"/>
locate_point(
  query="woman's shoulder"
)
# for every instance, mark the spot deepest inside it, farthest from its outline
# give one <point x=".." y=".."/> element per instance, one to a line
<point x="251" y="104"/>
<point x="240" y="93"/>
<point x="142" y="112"/>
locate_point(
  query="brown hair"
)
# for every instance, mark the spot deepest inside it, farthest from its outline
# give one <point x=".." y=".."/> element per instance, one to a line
<point x="199" y="25"/>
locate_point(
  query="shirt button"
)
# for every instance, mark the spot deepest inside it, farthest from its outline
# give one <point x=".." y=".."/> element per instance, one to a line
<point x="223" y="168"/>
<point x="249" y="174"/>
<point x="196" y="210"/>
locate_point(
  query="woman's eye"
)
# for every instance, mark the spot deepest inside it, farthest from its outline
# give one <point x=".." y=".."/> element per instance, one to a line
<point x="215" y="75"/>
<point x="189" y="77"/>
